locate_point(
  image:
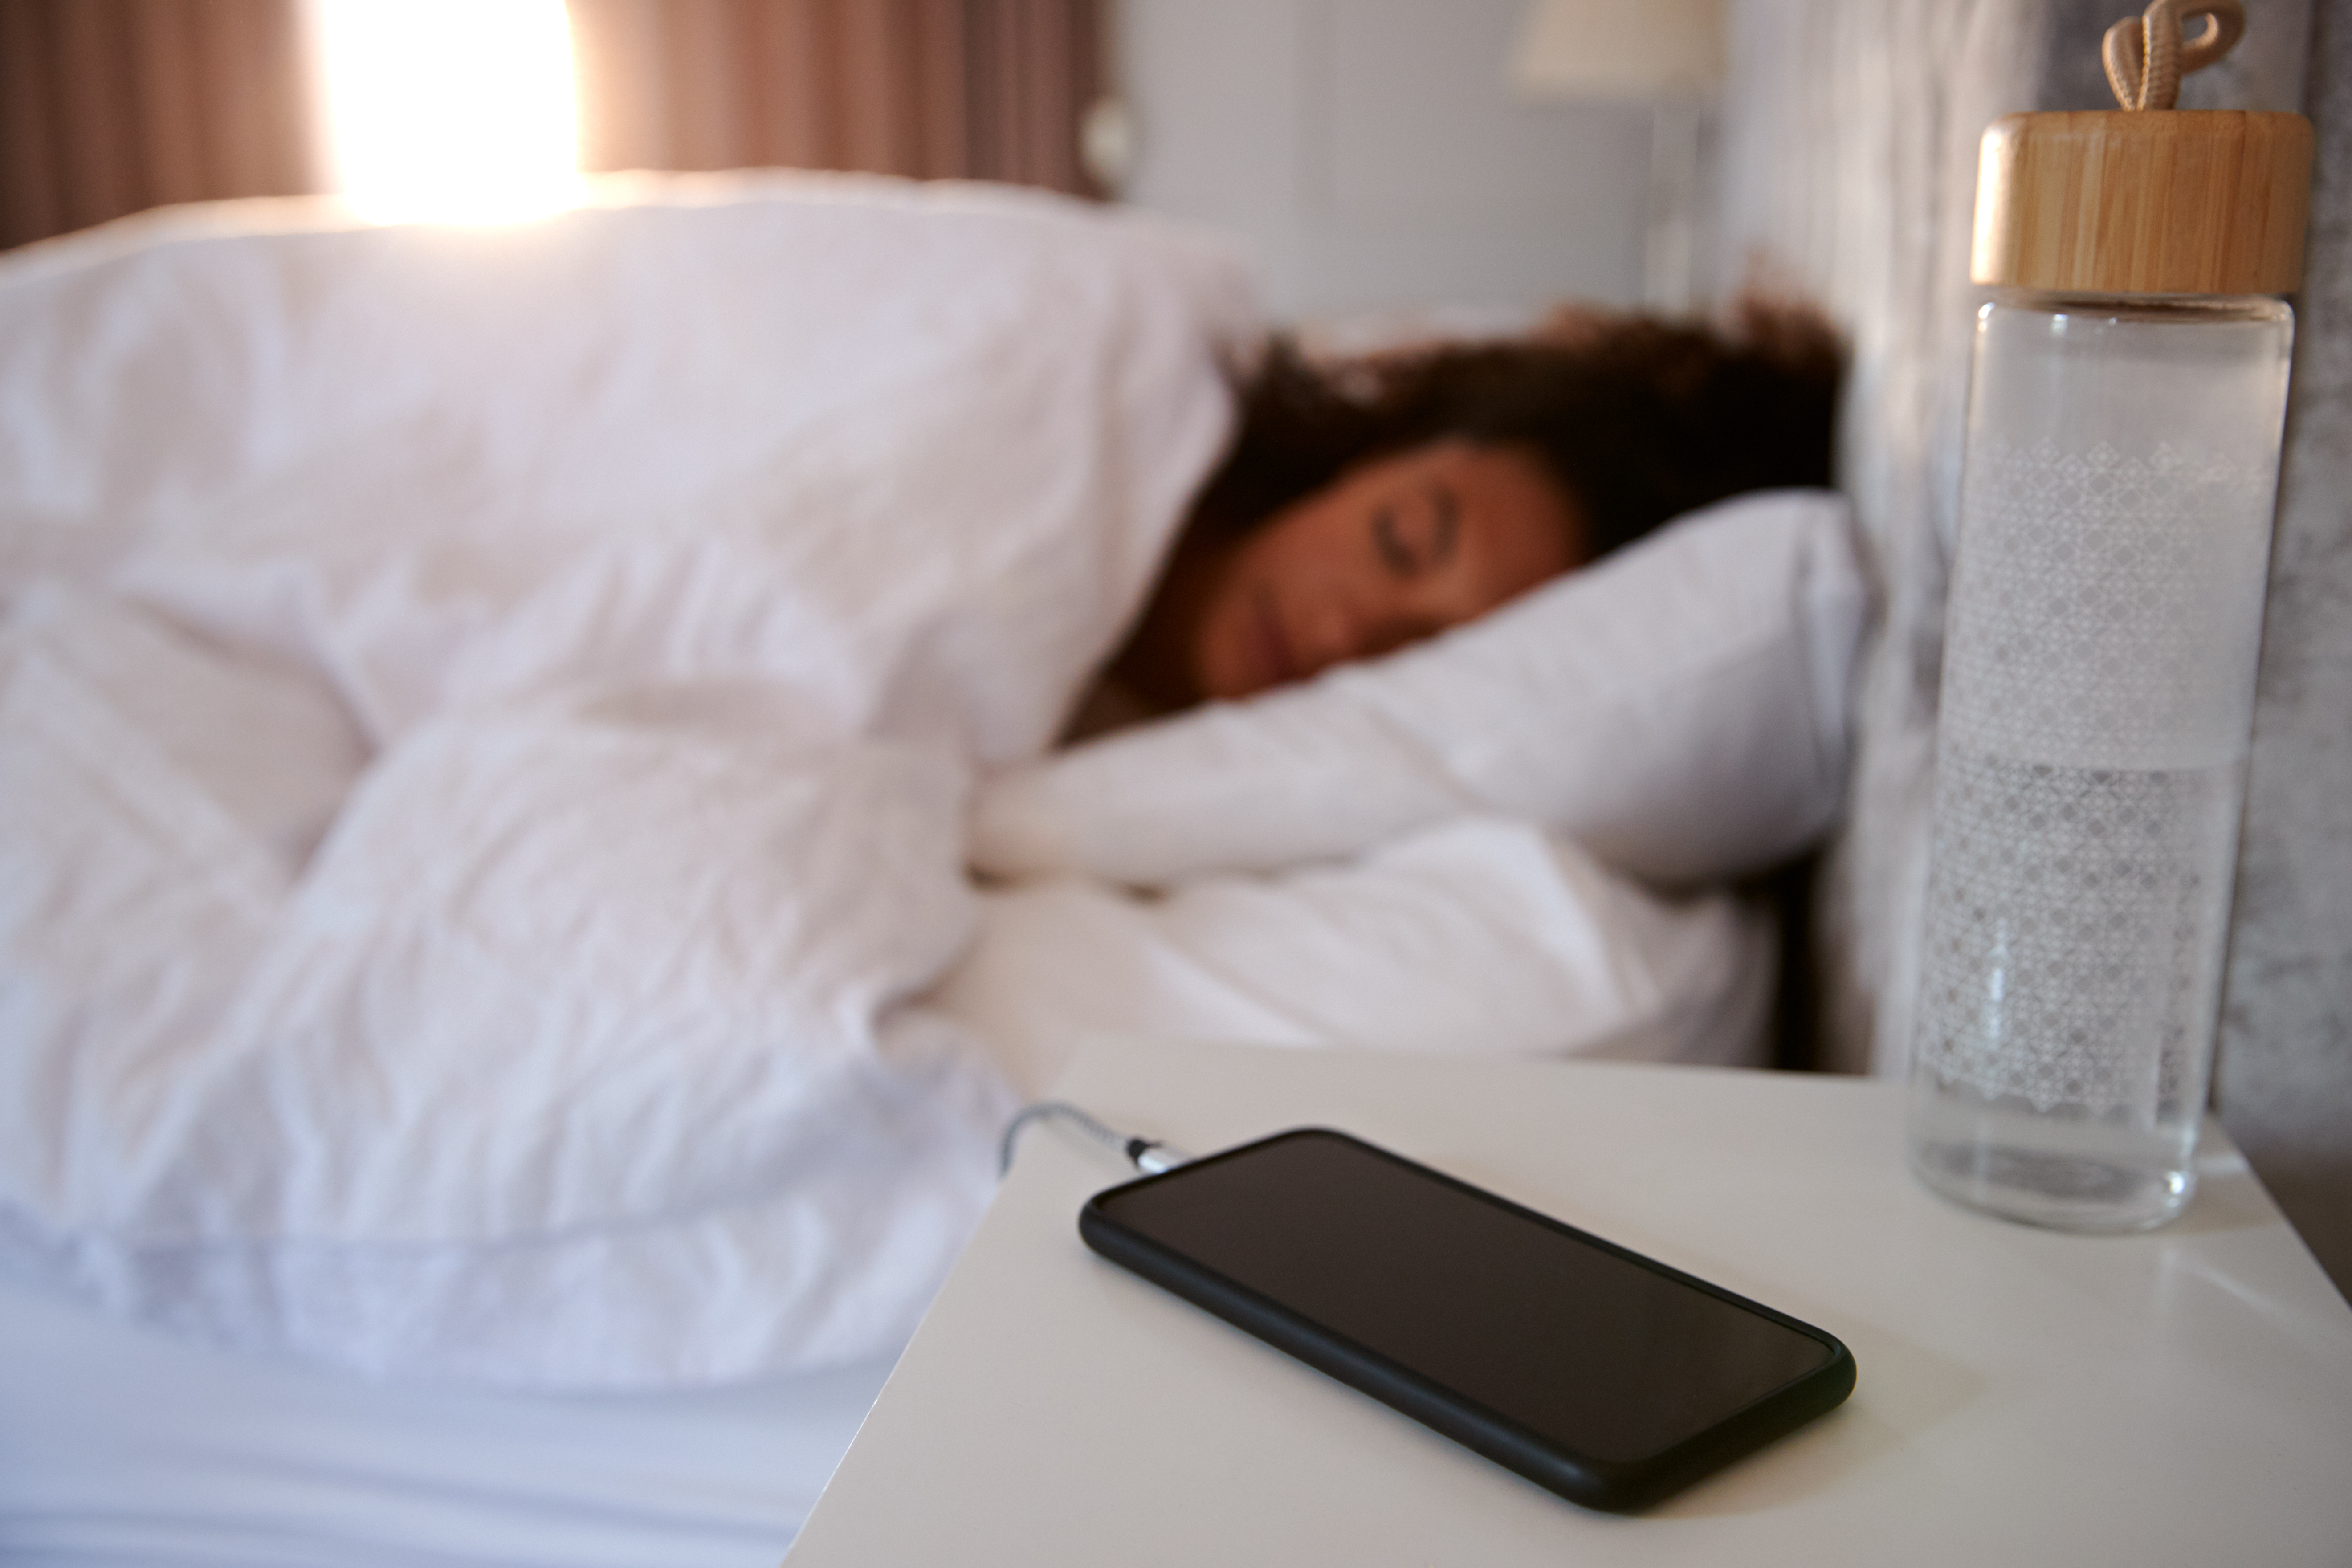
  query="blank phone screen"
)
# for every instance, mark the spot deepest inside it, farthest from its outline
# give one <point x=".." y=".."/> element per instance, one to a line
<point x="1602" y="1354"/>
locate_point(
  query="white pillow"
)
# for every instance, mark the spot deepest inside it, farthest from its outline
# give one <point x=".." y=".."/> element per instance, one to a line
<point x="1679" y="708"/>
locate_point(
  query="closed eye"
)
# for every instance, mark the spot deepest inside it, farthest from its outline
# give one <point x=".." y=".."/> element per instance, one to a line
<point x="1399" y="552"/>
<point x="1447" y="508"/>
<point x="1388" y="537"/>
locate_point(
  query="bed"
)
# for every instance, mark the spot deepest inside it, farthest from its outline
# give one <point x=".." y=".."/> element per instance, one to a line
<point x="537" y="866"/>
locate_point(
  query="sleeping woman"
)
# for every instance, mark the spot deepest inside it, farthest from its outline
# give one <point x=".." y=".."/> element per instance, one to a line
<point x="1498" y="844"/>
<point x="498" y="727"/>
<point x="1367" y="504"/>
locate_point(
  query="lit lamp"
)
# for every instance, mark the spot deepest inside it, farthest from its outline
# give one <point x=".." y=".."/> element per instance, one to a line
<point x="1668" y="54"/>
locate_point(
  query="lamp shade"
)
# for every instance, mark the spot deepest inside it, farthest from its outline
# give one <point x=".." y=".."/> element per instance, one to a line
<point x="1620" y="49"/>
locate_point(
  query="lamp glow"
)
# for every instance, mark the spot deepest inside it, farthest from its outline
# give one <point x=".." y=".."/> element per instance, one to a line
<point x="1628" y="50"/>
<point x="453" y="109"/>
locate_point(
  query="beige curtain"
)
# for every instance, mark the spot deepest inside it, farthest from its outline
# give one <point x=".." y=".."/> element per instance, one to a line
<point x="110" y="106"/>
<point x="969" y="88"/>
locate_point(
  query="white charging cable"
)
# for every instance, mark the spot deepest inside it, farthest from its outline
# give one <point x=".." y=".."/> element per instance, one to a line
<point x="1148" y="1155"/>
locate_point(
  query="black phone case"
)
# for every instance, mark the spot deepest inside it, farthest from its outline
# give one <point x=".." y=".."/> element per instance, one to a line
<point x="1616" y="1486"/>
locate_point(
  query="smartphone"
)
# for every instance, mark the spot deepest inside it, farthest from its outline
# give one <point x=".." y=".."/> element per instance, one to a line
<point x="1604" y="1375"/>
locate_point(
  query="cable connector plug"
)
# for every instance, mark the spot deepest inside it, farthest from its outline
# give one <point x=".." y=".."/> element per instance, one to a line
<point x="1152" y="1157"/>
<point x="1149" y="1155"/>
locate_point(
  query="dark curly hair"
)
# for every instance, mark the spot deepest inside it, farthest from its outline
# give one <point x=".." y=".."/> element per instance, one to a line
<point x="1638" y="417"/>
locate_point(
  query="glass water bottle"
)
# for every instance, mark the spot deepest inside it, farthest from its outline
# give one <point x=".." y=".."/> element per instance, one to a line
<point x="2119" y="474"/>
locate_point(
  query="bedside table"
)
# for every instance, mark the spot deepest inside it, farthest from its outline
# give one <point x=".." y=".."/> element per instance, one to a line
<point x="2182" y="1396"/>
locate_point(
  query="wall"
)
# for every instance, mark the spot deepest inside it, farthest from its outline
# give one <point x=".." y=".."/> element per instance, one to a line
<point x="1373" y="155"/>
<point x="2284" y="1084"/>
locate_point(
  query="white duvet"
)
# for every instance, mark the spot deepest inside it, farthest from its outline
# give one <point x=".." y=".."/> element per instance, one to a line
<point x="488" y="720"/>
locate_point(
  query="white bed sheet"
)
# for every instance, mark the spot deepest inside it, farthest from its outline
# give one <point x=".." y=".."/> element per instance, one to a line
<point x="642" y="596"/>
<point x="642" y="590"/>
<point x="122" y="1447"/>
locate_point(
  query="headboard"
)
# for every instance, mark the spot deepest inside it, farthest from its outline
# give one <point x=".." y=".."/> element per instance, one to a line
<point x="1849" y="146"/>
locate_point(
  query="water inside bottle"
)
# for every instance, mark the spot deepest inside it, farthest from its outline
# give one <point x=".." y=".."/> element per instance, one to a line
<point x="2070" y="978"/>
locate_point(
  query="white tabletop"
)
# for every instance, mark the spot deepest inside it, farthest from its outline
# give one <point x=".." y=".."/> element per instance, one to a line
<point x="2025" y="1396"/>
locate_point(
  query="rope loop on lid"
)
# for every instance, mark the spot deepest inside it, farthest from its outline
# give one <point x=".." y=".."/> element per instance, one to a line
<point x="2145" y="55"/>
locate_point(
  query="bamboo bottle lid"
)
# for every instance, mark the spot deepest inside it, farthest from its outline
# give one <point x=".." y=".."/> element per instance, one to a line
<point x="2146" y="200"/>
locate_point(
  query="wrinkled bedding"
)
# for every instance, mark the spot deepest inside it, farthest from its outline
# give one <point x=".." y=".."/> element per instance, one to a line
<point x="488" y="720"/>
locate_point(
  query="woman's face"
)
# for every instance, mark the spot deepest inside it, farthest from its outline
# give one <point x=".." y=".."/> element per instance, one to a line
<point x="1398" y="549"/>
